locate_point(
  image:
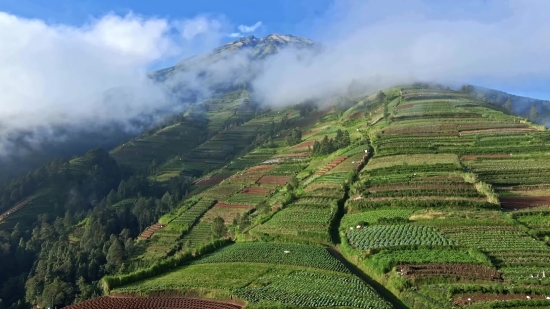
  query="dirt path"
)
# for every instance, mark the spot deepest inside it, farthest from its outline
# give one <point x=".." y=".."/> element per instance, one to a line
<point x="379" y="288"/>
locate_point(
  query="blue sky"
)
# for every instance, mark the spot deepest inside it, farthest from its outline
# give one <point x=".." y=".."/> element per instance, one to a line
<point x="499" y="44"/>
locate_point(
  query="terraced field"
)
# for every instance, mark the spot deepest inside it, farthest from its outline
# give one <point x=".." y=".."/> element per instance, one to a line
<point x="443" y="199"/>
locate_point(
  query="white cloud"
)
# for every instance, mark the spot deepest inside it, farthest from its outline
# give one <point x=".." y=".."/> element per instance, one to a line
<point x="373" y="42"/>
<point x="57" y="75"/>
<point x="248" y="29"/>
<point x="234" y="35"/>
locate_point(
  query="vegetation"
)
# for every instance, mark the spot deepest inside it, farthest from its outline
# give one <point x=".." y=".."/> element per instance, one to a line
<point x="289" y="208"/>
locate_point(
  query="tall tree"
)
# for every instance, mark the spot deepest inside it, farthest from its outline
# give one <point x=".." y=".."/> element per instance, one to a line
<point x="533" y="113"/>
<point x="508" y="105"/>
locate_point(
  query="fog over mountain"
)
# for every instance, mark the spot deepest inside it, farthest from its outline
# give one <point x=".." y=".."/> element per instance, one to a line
<point x="60" y="78"/>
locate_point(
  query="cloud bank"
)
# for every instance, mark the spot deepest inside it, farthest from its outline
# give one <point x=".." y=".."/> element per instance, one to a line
<point x="94" y="74"/>
<point x="392" y="42"/>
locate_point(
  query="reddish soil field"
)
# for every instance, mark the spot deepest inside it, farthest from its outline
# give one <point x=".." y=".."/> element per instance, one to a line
<point x="151" y="302"/>
<point x="151" y="230"/>
<point x="311" y="132"/>
<point x="274" y="180"/>
<point x="497" y="130"/>
<point x="304" y="145"/>
<point x="234" y="206"/>
<point x="452" y="270"/>
<point x="263" y="168"/>
<point x="331" y="165"/>
<point x="463" y="300"/>
<point x="212" y="181"/>
<point x="356" y="116"/>
<point x="255" y="191"/>
<point x="294" y="155"/>
<point x="14" y="209"/>
<point x="400" y="107"/>
<point x="495" y="156"/>
<point x="420" y="187"/>
<point x="524" y="202"/>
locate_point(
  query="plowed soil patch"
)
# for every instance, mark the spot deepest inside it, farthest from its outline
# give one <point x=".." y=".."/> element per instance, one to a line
<point x="463" y="300"/>
<point x="304" y="145"/>
<point x="331" y="165"/>
<point x="497" y="130"/>
<point x="495" y="156"/>
<point x="524" y="202"/>
<point x="234" y="206"/>
<point x="400" y="107"/>
<point x="212" y="181"/>
<point x="14" y="209"/>
<point x="420" y="187"/>
<point x="151" y="302"/>
<point x="262" y="168"/>
<point x="274" y="180"/>
<point x="449" y="270"/>
<point x="356" y="116"/>
<point x="255" y="191"/>
<point x="151" y="230"/>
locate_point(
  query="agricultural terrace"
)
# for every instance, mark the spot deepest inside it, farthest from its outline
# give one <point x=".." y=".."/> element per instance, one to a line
<point x="405" y="160"/>
<point x="384" y="236"/>
<point x="257" y="282"/>
<point x="276" y="253"/>
<point x="307" y="218"/>
<point x="181" y="222"/>
<point x="151" y="302"/>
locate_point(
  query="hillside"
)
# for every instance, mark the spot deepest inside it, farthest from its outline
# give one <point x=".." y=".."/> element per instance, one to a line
<point x="414" y="197"/>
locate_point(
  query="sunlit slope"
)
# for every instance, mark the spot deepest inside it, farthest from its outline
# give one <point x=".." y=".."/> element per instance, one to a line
<point x="436" y="204"/>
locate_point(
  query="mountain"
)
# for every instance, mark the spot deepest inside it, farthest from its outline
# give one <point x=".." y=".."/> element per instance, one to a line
<point x="202" y="69"/>
<point x="404" y="198"/>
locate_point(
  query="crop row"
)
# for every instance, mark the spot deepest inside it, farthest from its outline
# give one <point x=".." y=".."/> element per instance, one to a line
<point x="486" y="239"/>
<point x="190" y="217"/>
<point x="275" y="253"/>
<point x="303" y="288"/>
<point x="396" y="235"/>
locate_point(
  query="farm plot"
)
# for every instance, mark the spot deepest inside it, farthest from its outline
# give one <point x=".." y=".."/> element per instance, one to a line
<point x="382" y="236"/>
<point x="222" y="191"/>
<point x="14" y="209"/>
<point x="507" y="245"/>
<point x="274" y="180"/>
<point x="287" y="169"/>
<point x="233" y="206"/>
<point x="151" y="230"/>
<point x="331" y="165"/>
<point x="334" y="178"/>
<point x="276" y="253"/>
<point x="495" y="156"/>
<point x="299" y="222"/>
<point x="227" y="214"/>
<point x="151" y="302"/>
<point x="375" y="217"/>
<point x="255" y="191"/>
<point x="425" y="159"/>
<point x="526" y="274"/>
<point x="324" y="190"/>
<point x="351" y="163"/>
<point x="313" y="289"/>
<point x="304" y="145"/>
<point x="385" y="260"/>
<point x="200" y="234"/>
<point x="213" y="180"/>
<point x="192" y="215"/>
<point x="247" y="199"/>
<point x="524" y="202"/>
<point x="224" y="276"/>
<point x="416" y="271"/>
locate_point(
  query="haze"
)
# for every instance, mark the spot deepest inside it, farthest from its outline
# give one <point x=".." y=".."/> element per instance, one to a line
<point x="54" y="74"/>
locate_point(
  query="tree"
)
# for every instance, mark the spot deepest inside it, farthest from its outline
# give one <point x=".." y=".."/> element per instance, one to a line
<point x="508" y="105"/>
<point x="218" y="227"/>
<point x="115" y="255"/>
<point x="68" y="219"/>
<point x="294" y="137"/>
<point x="381" y="96"/>
<point x="533" y="113"/>
<point x="469" y="89"/>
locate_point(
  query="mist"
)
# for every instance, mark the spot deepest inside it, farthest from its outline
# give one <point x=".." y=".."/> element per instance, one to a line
<point x="96" y="74"/>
